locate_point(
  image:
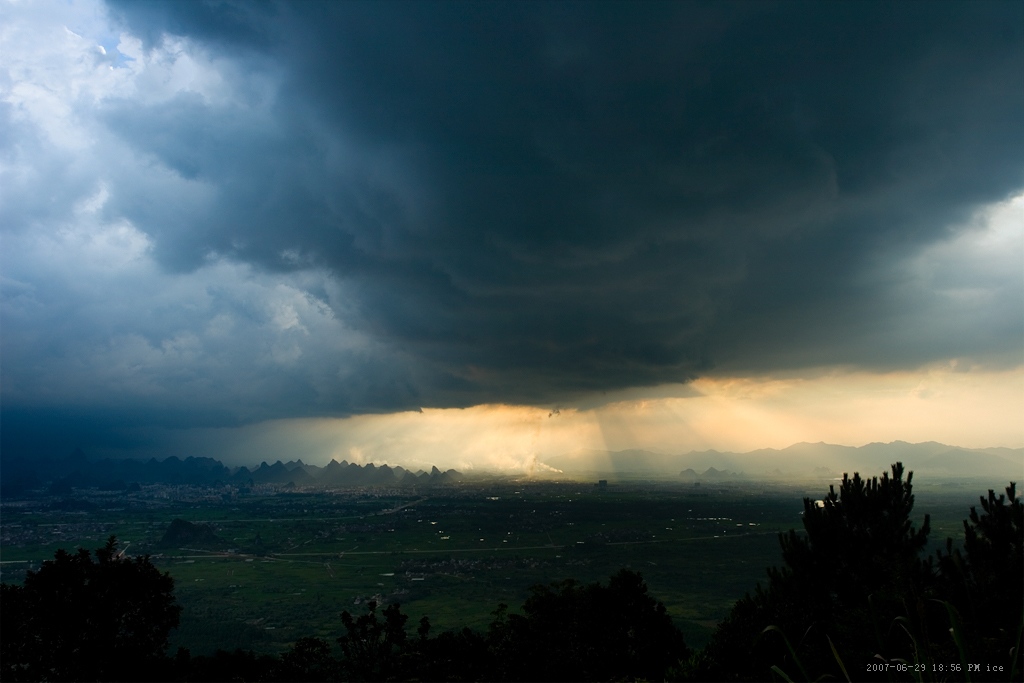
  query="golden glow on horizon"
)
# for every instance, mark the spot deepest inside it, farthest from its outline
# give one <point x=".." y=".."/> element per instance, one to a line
<point x="959" y="407"/>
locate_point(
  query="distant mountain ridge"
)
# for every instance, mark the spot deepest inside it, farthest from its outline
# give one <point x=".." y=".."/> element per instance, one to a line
<point x="77" y="471"/>
<point x="804" y="460"/>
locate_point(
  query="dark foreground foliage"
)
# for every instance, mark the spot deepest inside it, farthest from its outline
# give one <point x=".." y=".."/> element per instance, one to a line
<point x="89" y="620"/>
<point x="985" y="582"/>
<point x="854" y="591"/>
<point x="566" y="632"/>
<point x="589" y="632"/>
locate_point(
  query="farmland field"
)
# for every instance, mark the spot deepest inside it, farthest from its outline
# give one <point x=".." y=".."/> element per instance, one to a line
<point x="283" y="564"/>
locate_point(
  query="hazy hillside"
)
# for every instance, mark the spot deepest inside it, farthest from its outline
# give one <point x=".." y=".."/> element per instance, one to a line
<point x="804" y="460"/>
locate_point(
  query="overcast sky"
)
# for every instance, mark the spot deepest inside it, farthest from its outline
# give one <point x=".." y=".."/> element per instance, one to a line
<point x="227" y="219"/>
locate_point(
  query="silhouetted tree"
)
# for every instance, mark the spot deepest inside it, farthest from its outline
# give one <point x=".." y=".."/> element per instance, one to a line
<point x="375" y="649"/>
<point x="985" y="582"/>
<point x="567" y="632"/>
<point x="462" y="655"/>
<point x="590" y="632"/>
<point x="243" y="666"/>
<point x="309" y="659"/>
<point x="80" y="619"/>
<point x="853" y="571"/>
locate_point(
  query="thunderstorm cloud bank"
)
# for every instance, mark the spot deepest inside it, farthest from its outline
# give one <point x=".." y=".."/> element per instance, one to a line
<point x="220" y="214"/>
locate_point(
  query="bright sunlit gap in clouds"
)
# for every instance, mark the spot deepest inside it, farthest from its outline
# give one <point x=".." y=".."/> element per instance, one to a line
<point x="947" y="404"/>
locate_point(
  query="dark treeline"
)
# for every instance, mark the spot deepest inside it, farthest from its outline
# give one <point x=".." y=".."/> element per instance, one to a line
<point x="855" y="600"/>
<point x="61" y="476"/>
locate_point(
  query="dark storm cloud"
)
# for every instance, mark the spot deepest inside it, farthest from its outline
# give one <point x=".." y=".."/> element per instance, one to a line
<point x="584" y="196"/>
<point x="535" y="201"/>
